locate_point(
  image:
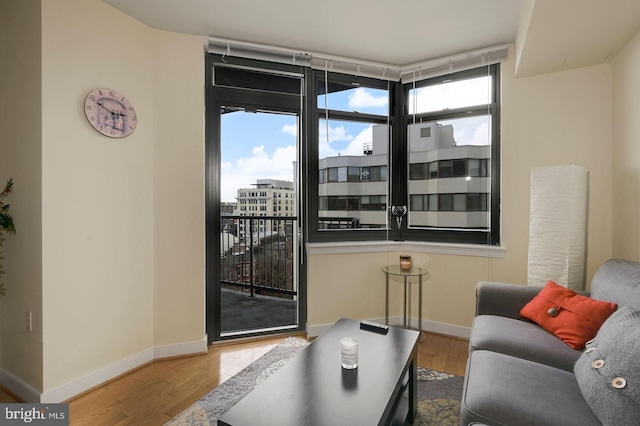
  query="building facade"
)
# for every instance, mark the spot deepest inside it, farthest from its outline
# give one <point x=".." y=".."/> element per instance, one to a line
<point x="449" y="183"/>
<point x="269" y="198"/>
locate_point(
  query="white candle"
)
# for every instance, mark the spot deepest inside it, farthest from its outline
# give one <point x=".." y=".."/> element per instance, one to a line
<point x="349" y="353"/>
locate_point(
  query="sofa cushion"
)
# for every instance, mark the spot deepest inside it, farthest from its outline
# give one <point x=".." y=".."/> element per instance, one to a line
<point x="572" y="318"/>
<point x="504" y="390"/>
<point x="617" y="281"/>
<point x="521" y="339"/>
<point x="608" y="373"/>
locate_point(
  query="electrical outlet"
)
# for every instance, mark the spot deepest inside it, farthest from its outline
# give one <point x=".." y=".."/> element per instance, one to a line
<point x="28" y="321"/>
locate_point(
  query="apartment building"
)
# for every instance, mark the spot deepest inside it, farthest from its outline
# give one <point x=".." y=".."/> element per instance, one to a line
<point x="269" y="198"/>
<point x="448" y="188"/>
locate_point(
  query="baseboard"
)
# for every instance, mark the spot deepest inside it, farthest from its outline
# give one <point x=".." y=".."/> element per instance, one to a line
<point x="432" y="326"/>
<point x="19" y="387"/>
<point x="83" y="384"/>
<point x="446" y="329"/>
<point x="180" y="349"/>
<point x="65" y="392"/>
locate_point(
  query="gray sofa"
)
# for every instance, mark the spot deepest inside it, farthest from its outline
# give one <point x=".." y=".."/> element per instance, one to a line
<point x="519" y="374"/>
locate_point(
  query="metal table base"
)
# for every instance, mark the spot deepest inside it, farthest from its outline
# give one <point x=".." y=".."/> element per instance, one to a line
<point x="405" y="273"/>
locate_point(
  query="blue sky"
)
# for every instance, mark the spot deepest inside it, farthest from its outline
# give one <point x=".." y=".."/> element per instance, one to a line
<point x="263" y="146"/>
<point x="254" y="146"/>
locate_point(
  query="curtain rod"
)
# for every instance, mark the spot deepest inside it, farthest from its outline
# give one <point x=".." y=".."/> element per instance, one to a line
<point x="256" y="51"/>
<point x="406" y="73"/>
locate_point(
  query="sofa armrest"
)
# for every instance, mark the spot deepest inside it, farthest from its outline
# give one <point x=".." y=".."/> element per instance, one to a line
<point x="503" y="299"/>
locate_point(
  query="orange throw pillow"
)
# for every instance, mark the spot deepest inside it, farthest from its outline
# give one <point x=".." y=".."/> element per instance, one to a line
<point x="571" y="317"/>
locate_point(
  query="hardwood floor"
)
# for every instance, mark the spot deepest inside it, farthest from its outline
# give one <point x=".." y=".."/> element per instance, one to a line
<point x="155" y="393"/>
<point x="443" y="353"/>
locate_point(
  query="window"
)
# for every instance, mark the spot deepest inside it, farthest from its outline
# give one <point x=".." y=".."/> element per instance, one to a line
<point x="431" y="145"/>
<point x="353" y="174"/>
<point x="451" y="92"/>
<point x="351" y="116"/>
<point x="455" y="169"/>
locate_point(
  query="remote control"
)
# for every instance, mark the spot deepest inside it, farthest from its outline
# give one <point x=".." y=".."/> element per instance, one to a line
<point x="376" y="328"/>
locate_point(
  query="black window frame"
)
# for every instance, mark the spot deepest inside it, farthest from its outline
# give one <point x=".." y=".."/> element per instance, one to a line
<point x="490" y="236"/>
<point x="285" y="99"/>
<point x="316" y="87"/>
<point x="398" y="169"/>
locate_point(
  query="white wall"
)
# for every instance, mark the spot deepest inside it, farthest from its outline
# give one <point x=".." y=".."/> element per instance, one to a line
<point x="109" y="253"/>
<point x="626" y="152"/>
<point x="21" y="158"/>
<point x="97" y="192"/>
<point x="553" y="119"/>
<point x="123" y="239"/>
<point x="179" y="234"/>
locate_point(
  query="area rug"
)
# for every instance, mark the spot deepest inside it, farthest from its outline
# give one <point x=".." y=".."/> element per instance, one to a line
<point x="438" y="393"/>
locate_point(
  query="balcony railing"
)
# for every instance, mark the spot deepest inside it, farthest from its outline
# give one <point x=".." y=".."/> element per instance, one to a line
<point x="338" y="222"/>
<point x="258" y="254"/>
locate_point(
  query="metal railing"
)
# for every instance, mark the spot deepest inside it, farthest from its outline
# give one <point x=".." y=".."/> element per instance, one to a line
<point x="338" y="223"/>
<point x="258" y="254"/>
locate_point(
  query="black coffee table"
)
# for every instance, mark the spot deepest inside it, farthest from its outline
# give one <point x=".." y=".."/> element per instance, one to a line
<point x="313" y="389"/>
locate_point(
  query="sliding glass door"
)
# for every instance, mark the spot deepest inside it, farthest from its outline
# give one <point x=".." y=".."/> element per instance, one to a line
<point x="258" y="263"/>
<point x="253" y="225"/>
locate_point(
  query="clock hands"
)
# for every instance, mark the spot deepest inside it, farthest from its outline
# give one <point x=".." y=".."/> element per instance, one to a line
<point x="115" y="122"/>
<point x="112" y="113"/>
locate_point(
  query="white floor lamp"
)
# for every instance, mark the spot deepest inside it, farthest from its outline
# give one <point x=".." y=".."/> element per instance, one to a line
<point x="558" y="225"/>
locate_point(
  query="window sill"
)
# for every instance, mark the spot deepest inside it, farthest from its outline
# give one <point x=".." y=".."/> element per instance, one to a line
<point x="405" y="246"/>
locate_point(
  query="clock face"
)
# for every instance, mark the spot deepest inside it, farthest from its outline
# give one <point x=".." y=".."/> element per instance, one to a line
<point x="110" y="113"/>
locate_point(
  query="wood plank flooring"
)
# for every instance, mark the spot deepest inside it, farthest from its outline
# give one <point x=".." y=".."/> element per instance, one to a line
<point x="153" y="394"/>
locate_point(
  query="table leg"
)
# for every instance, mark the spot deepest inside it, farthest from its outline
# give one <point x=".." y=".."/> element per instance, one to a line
<point x="409" y="300"/>
<point x="413" y="390"/>
<point x="404" y="321"/>
<point x="420" y="305"/>
<point x="386" y="300"/>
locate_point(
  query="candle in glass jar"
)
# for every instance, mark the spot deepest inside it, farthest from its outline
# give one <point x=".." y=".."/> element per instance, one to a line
<point x="349" y="353"/>
<point x="405" y="263"/>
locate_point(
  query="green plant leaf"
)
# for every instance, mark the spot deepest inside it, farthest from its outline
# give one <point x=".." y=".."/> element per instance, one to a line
<point x="6" y="226"/>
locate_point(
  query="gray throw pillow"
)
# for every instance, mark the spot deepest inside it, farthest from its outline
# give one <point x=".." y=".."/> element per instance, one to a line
<point x="608" y="372"/>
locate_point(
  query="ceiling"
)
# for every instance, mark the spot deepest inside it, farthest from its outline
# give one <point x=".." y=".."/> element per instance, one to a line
<point x="550" y="35"/>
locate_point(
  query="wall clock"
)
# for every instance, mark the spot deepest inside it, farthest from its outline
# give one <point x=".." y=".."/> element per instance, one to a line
<point x="110" y="113"/>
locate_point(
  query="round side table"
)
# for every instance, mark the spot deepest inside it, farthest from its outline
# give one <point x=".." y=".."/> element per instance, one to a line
<point x="415" y="271"/>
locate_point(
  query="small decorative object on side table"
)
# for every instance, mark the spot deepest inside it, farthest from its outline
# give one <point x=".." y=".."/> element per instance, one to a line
<point x="405" y="262"/>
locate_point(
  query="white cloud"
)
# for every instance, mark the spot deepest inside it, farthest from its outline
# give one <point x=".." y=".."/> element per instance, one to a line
<point x="361" y="98"/>
<point x="356" y="147"/>
<point x="470" y="131"/>
<point x="481" y="135"/>
<point x="261" y="165"/>
<point x="336" y="134"/>
<point x="290" y="129"/>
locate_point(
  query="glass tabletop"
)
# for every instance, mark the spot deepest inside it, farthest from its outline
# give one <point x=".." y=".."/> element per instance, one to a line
<point x="415" y="271"/>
